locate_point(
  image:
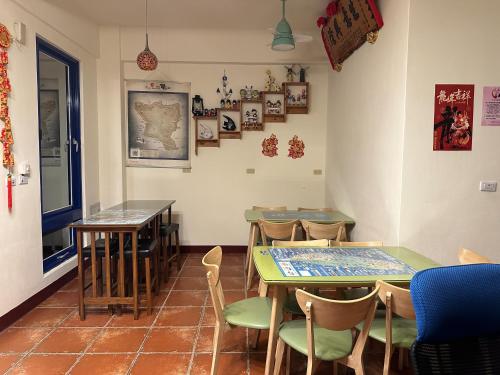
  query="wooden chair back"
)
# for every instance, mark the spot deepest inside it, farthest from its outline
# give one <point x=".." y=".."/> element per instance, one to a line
<point x="278" y="231"/>
<point x="357" y="244"/>
<point x="326" y="209"/>
<point x="314" y="243"/>
<point x="276" y="208"/>
<point x="466" y="256"/>
<point x="212" y="261"/>
<point x="315" y="231"/>
<point x="338" y="315"/>
<point x="397" y="300"/>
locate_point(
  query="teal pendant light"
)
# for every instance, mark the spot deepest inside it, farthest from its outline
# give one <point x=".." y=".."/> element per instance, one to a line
<point x="283" y="37"/>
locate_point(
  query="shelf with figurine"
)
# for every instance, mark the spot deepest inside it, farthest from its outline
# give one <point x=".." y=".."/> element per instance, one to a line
<point x="274" y="106"/>
<point x="206" y="132"/>
<point x="297" y="97"/>
<point x="229" y="123"/>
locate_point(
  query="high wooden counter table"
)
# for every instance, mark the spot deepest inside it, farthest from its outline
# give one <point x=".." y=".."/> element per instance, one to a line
<point x="355" y="266"/>
<point x="253" y="216"/>
<point x="127" y="218"/>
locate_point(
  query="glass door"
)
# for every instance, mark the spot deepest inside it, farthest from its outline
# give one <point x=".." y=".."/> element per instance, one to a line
<point x="59" y="140"/>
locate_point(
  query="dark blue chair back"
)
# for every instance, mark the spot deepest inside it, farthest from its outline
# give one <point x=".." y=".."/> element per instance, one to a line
<point x="458" y="320"/>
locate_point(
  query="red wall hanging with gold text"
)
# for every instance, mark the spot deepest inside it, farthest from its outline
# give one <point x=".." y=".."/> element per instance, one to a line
<point x="6" y="138"/>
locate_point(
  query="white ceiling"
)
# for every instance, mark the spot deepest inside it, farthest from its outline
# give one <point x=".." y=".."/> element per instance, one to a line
<point x="198" y="14"/>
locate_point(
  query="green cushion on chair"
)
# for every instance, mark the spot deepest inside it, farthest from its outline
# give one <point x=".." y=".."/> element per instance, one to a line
<point x="404" y="331"/>
<point x="250" y="313"/>
<point x="329" y="345"/>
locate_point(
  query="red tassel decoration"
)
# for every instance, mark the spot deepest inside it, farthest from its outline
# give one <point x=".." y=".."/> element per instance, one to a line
<point x="332" y="8"/>
<point x="321" y="21"/>
<point x="9" y="192"/>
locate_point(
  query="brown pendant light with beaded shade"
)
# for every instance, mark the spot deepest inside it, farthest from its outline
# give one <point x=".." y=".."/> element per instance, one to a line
<point x="147" y="60"/>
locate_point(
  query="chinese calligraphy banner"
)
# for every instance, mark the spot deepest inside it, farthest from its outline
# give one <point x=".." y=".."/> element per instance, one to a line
<point x="491" y="105"/>
<point x="453" y="117"/>
<point x="349" y="28"/>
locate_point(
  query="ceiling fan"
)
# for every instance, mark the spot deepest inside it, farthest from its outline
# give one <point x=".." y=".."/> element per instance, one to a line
<point x="284" y="39"/>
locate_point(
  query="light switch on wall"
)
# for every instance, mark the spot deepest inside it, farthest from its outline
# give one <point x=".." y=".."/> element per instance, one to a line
<point x="250" y="170"/>
<point x="489" y="186"/>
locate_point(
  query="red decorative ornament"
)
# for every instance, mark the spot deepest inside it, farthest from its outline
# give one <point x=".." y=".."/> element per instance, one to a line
<point x="321" y="21"/>
<point x="332" y="9"/>
<point x="270" y="146"/>
<point x="9" y="192"/>
<point x="296" y="150"/>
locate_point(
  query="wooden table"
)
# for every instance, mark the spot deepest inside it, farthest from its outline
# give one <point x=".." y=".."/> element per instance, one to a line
<point x="253" y="216"/>
<point x="128" y="217"/>
<point x="271" y="275"/>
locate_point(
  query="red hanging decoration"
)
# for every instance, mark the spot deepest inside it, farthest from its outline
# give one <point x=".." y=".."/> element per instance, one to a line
<point x="9" y="192"/>
<point x="296" y="150"/>
<point x="6" y="138"/>
<point x="270" y="146"/>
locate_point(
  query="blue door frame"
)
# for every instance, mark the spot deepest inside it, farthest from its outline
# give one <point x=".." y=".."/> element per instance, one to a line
<point x="61" y="218"/>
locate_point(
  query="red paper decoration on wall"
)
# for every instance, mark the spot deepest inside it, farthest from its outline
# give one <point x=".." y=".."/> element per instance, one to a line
<point x="6" y="138"/>
<point x="296" y="150"/>
<point x="270" y="146"/>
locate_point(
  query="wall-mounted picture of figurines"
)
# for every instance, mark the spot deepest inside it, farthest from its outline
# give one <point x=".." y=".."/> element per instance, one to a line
<point x="274" y="106"/>
<point x="252" y="112"/>
<point x="297" y="97"/>
<point x="207" y="132"/>
<point x="229" y="123"/>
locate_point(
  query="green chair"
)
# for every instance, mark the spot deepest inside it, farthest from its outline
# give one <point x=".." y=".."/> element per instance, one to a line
<point x="326" y="333"/>
<point x="252" y="313"/>
<point x="399" y="331"/>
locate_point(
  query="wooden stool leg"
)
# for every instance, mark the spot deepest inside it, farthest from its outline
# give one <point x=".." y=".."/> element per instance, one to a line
<point x="280" y="350"/>
<point x="147" y="266"/>
<point x="177" y="250"/>
<point x="156" y="272"/>
<point x="251" y="272"/>
<point x="81" y="276"/>
<point x="165" y="258"/>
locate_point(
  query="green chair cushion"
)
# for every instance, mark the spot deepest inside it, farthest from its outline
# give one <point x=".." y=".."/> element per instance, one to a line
<point x="250" y="313"/>
<point x="329" y="345"/>
<point x="404" y="331"/>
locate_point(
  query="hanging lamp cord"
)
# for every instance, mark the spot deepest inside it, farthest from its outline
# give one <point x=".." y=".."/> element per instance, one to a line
<point x="147" y="37"/>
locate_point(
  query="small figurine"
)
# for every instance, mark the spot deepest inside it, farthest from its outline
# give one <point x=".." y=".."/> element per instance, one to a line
<point x="213" y="112"/>
<point x="290" y="73"/>
<point x="205" y="132"/>
<point x="273" y="108"/>
<point x="222" y="103"/>
<point x="271" y="84"/>
<point x="206" y="112"/>
<point x="228" y="124"/>
<point x="227" y="105"/>
<point x="251" y="116"/>
<point x="225" y="94"/>
<point x="235" y="104"/>
<point x="302" y="73"/>
<point x="255" y="94"/>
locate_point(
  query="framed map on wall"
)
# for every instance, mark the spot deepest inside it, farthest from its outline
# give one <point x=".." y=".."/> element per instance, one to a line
<point x="158" y="121"/>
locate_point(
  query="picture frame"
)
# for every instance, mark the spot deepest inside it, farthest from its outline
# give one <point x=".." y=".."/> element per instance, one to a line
<point x="297" y="97"/>
<point x="206" y="132"/>
<point x="229" y="123"/>
<point x="252" y="115"/>
<point x="274" y="106"/>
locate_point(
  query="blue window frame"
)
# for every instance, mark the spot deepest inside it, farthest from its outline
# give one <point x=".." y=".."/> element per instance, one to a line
<point x="56" y="220"/>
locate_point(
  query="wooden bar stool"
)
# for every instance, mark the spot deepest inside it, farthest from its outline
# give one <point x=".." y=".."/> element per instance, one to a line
<point x="96" y="257"/>
<point x="147" y="252"/>
<point x="166" y="231"/>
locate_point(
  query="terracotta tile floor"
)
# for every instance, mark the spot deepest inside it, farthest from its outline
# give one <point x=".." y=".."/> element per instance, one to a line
<point x="175" y="339"/>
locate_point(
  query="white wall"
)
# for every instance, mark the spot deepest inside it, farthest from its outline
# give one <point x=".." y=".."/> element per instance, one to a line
<point x="211" y="199"/>
<point x="21" y="273"/>
<point x="442" y="208"/>
<point x="365" y="128"/>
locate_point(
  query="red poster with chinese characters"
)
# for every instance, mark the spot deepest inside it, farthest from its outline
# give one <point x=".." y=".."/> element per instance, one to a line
<point x="453" y="117"/>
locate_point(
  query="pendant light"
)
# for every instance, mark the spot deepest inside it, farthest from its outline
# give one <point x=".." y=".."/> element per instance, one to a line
<point x="283" y="37"/>
<point x="146" y="60"/>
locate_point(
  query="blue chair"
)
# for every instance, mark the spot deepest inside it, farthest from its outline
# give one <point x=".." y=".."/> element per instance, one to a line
<point x="458" y="320"/>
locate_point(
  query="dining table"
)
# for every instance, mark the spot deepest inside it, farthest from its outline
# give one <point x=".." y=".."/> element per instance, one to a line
<point x="329" y="268"/>
<point x="121" y="223"/>
<point x="321" y="217"/>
